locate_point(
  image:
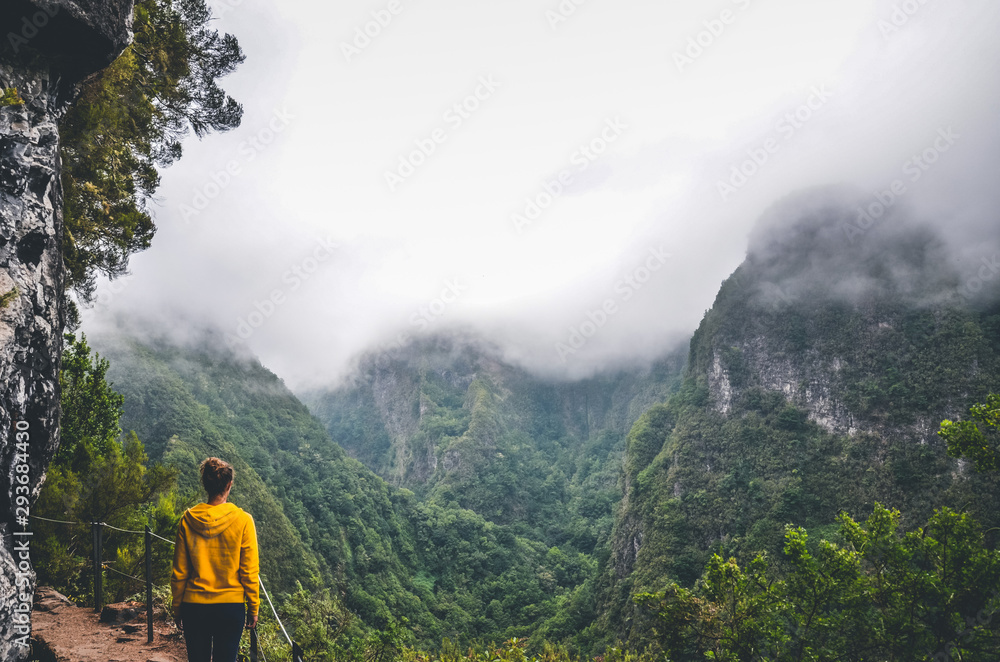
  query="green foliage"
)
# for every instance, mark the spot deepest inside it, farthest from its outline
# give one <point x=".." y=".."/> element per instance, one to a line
<point x="540" y="457"/>
<point x="531" y="513"/>
<point x="130" y="119"/>
<point x="10" y="97"/>
<point x="504" y="528"/>
<point x="229" y="411"/>
<point x="327" y="523"/>
<point x="976" y="439"/>
<point x="742" y="459"/>
<point x="475" y="442"/>
<point x="7" y="297"/>
<point x="881" y="595"/>
<point x="91" y="409"/>
<point x="521" y="650"/>
<point x="729" y="484"/>
<point x="322" y="625"/>
<point x="645" y="439"/>
<point x="98" y="475"/>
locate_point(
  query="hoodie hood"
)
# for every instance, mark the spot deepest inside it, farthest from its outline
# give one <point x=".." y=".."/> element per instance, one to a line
<point x="209" y="521"/>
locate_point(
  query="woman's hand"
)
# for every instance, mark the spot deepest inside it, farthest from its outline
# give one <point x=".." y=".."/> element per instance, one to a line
<point x="251" y="621"/>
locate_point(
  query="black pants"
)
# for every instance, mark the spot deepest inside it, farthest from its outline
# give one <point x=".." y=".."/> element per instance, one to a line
<point x="213" y="632"/>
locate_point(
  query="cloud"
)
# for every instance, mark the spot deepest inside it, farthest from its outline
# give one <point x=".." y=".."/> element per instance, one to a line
<point x="789" y="96"/>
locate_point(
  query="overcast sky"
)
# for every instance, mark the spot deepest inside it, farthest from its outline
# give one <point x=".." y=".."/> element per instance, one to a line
<point x="556" y="176"/>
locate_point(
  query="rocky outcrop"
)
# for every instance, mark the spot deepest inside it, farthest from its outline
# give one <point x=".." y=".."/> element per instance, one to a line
<point x="845" y="331"/>
<point x="48" y="47"/>
<point x="377" y="416"/>
<point x="808" y="384"/>
<point x="866" y="340"/>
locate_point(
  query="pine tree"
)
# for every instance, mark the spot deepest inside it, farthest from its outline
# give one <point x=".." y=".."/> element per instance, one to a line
<point x="129" y="121"/>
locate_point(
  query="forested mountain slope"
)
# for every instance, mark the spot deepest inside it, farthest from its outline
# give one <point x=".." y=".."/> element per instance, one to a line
<point x="494" y="504"/>
<point x="449" y="420"/>
<point x="815" y="384"/>
<point x="327" y="521"/>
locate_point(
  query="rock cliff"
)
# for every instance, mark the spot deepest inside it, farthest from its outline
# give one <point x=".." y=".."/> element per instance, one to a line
<point x="816" y="383"/>
<point x="387" y="414"/>
<point x="835" y="323"/>
<point x="48" y="47"/>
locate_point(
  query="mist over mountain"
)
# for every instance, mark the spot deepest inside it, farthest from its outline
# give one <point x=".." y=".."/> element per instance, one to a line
<point x="790" y="97"/>
<point x="442" y="482"/>
<point x="450" y="419"/>
<point x="825" y="243"/>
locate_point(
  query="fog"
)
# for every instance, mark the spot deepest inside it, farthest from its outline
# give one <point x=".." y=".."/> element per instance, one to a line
<point x="572" y="181"/>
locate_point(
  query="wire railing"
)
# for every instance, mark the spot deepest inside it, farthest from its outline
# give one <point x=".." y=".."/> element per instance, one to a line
<point x="99" y="565"/>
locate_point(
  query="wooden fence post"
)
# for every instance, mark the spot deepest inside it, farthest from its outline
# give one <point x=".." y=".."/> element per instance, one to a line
<point x="98" y="566"/>
<point x="149" y="586"/>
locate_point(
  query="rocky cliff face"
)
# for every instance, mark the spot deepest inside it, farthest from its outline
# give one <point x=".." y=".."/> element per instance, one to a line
<point x="835" y="324"/>
<point x="48" y="46"/>
<point x="816" y="382"/>
<point x="385" y="415"/>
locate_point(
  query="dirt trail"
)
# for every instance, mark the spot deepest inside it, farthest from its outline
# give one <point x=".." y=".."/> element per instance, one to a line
<point x="63" y="632"/>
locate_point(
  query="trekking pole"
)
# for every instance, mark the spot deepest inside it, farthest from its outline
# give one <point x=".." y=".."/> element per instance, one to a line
<point x="253" y="645"/>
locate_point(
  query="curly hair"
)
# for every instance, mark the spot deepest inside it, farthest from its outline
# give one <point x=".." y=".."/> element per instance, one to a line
<point x="216" y="475"/>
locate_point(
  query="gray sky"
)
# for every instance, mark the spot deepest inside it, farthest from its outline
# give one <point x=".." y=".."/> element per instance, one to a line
<point x="556" y="176"/>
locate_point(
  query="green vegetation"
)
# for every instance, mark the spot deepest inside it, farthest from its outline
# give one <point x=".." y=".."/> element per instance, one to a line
<point x="354" y="561"/>
<point x="795" y="409"/>
<point x="99" y="475"/>
<point x="927" y="594"/>
<point x="7" y="297"/>
<point x="541" y="458"/>
<point x="129" y="120"/>
<point x="888" y="361"/>
<point x="363" y="570"/>
<point x="976" y="439"/>
<point x="330" y="527"/>
<point x="10" y="97"/>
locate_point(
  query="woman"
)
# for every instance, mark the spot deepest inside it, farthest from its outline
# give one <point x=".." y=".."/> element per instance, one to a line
<point x="215" y="570"/>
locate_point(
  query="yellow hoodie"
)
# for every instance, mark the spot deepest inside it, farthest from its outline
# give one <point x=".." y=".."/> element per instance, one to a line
<point x="215" y="560"/>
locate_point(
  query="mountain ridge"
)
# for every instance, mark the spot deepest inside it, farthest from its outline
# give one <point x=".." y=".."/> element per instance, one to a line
<point x="815" y="384"/>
